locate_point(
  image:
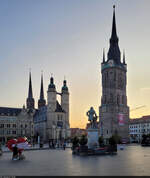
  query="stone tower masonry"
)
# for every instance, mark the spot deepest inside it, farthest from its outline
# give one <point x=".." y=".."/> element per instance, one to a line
<point x="114" y="112"/>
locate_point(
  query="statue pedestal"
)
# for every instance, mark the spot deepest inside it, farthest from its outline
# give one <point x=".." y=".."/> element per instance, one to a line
<point x="93" y="135"/>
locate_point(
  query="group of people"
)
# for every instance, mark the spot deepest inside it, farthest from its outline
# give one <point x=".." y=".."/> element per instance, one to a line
<point x="54" y="145"/>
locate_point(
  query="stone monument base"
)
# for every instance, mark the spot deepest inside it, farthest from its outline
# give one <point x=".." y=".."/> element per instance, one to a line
<point x="93" y="136"/>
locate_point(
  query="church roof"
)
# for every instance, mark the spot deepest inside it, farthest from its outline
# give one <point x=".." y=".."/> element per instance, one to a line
<point x="114" y="51"/>
<point x="58" y="107"/>
<point x="9" y="111"/>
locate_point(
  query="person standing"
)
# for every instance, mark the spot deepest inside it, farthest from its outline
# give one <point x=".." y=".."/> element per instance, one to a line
<point x="64" y="145"/>
<point x="15" y="152"/>
<point x="1" y="149"/>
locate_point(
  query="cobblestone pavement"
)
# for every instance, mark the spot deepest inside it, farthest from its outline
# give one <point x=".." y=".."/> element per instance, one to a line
<point x="134" y="160"/>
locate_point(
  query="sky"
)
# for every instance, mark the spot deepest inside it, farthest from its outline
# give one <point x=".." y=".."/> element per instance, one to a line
<point x="66" y="38"/>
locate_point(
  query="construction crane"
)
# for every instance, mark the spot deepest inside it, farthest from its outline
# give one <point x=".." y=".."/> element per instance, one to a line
<point x="138" y="108"/>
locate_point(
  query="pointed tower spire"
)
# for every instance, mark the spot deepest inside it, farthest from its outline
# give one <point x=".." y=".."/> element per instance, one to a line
<point x="123" y="57"/>
<point x="114" y="51"/>
<point x="30" y="99"/>
<point x="30" y="95"/>
<point x="42" y="91"/>
<point x="103" y="55"/>
<point x="41" y="101"/>
<point x="114" y="37"/>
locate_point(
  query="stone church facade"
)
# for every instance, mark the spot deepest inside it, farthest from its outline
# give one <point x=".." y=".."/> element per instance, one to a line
<point x="114" y="111"/>
<point x="48" y="121"/>
<point x="51" y="120"/>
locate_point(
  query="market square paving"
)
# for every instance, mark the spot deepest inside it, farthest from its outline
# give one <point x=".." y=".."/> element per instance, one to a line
<point x="133" y="160"/>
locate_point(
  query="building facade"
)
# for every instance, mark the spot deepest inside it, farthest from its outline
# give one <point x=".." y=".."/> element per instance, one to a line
<point x="15" y="122"/>
<point x="51" y="120"/>
<point x="138" y="127"/>
<point x="114" y="112"/>
<point x="18" y="122"/>
<point x="77" y="132"/>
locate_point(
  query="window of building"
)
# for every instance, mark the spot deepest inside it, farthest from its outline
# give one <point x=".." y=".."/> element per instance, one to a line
<point x="8" y="125"/>
<point x="14" y="132"/>
<point x="118" y="99"/>
<point x="2" y="126"/>
<point x="8" y="132"/>
<point x="26" y="126"/>
<point x="107" y="131"/>
<point x="21" y="125"/>
<point x="122" y="99"/>
<point x="14" y="125"/>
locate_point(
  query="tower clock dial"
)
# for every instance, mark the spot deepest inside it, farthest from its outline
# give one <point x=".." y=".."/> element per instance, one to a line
<point x="110" y="62"/>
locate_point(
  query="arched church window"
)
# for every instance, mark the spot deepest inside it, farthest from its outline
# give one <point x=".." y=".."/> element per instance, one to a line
<point x="118" y="99"/>
<point x="114" y="75"/>
<point x="107" y="74"/>
<point x="104" y="99"/>
<point x="122" y="99"/>
<point x="111" y="98"/>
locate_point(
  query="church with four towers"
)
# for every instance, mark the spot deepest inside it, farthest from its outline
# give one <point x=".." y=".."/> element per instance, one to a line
<point x="50" y="121"/>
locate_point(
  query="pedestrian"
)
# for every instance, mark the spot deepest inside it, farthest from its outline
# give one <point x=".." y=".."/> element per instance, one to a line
<point x="1" y="149"/>
<point x="50" y="143"/>
<point x="15" y="152"/>
<point x="21" y="156"/>
<point x="64" y="145"/>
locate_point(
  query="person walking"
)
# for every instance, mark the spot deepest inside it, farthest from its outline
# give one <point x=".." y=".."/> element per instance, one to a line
<point x="15" y="152"/>
<point x="1" y="149"/>
<point x="64" y="145"/>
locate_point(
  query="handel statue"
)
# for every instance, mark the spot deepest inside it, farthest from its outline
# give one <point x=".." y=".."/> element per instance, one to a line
<point x="92" y="117"/>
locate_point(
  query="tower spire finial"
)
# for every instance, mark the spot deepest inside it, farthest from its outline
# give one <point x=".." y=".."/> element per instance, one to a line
<point x="114" y="31"/>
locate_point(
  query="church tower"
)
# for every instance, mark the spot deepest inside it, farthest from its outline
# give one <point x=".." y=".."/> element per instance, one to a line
<point x="41" y="101"/>
<point x="30" y="99"/>
<point x="65" y="100"/>
<point x="114" y="112"/>
<point x="51" y="95"/>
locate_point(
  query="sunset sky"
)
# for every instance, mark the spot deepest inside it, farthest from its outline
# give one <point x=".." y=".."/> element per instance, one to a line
<point x="66" y="38"/>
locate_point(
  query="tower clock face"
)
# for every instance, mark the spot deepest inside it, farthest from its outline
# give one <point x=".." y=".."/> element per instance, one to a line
<point x="110" y="62"/>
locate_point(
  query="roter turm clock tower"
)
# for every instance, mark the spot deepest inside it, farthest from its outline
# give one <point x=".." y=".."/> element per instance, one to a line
<point x="114" y="112"/>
